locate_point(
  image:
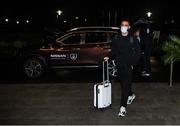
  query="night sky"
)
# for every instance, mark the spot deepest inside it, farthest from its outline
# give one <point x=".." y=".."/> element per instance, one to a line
<point x="91" y="9"/>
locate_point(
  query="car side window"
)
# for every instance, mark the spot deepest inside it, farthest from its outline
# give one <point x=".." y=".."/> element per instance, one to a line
<point x="96" y="37"/>
<point x="72" y="39"/>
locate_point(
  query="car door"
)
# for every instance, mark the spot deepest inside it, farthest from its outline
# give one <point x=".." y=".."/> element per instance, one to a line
<point x="67" y="51"/>
<point x="92" y="52"/>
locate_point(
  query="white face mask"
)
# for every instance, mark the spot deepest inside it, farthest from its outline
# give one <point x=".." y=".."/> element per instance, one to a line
<point x="124" y="29"/>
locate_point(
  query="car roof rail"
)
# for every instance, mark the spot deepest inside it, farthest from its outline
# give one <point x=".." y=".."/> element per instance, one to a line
<point x="92" y="27"/>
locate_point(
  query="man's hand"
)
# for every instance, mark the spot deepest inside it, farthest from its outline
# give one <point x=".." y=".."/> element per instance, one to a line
<point x="106" y="59"/>
<point x="132" y="67"/>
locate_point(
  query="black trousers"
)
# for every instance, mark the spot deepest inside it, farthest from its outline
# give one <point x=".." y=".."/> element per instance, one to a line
<point x="147" y="64"/>
<point x="125" y="78"/>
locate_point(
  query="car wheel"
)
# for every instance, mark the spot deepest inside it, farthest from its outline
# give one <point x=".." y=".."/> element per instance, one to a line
<point x="33" y="68"/>
<point x="112" y="69"/>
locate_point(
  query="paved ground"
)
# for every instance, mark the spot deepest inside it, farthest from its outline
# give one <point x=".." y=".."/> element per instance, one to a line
<point x="72" y="103"/>
<point x="66" y="97"/>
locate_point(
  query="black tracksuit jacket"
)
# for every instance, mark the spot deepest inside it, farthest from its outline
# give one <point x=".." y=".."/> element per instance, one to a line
<point x="125" y="50"/>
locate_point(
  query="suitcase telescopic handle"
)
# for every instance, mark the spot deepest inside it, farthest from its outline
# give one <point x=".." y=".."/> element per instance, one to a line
<point x="107" y="71"/>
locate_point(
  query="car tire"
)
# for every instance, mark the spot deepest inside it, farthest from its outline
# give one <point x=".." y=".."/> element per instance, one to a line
<point x="33" y="68"/>
<point x="112" y="69"/>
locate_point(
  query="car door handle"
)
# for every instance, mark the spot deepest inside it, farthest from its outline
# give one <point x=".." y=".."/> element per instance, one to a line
<point x="76" y="48"/>
<point x="106" y="46"/>
<point x="99" y="46"/>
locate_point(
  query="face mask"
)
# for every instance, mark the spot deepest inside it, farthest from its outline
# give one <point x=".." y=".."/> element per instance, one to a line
<point x="124" y="29"/>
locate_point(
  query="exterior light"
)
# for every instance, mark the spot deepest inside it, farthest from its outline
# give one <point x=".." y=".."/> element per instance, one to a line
<point x="17" y="22"/>
<point x="85" y="19"/>
<point x="77" y="18"/>
<point x="65" y="21"/>
<point x="149" y="14"/>
<point x="27" y="21"/>
<point x="6" y="20"/>
<point x="59" y="12"/>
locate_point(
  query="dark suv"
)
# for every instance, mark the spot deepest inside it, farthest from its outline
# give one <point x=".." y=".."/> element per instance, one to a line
<point x="82" y="47"/>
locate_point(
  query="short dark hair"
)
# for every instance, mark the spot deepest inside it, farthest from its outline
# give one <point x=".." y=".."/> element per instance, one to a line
<point x="125" y="19"/>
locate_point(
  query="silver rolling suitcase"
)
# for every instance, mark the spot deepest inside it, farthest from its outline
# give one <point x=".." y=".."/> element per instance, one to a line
<point x="102" y="91"/>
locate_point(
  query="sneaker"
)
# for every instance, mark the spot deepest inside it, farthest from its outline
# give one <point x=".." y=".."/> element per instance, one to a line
<point x="122" y="111"/>
<point x="131" y="99"/>
<point x="146" y="74"/>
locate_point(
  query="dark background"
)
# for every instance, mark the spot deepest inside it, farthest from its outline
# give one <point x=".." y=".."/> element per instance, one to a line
<point x="43" y="21"/>
<point x="44" y="12"/>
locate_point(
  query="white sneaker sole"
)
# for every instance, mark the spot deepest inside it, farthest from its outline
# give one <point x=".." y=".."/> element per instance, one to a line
<point x="121" y="115"/>
<point x="146" y="75"/>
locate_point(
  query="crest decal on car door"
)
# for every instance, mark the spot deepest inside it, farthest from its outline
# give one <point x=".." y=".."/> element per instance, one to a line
<point x="73" y="56"/>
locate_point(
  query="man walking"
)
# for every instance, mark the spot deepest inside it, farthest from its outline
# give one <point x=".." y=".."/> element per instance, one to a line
<point x="147" y="42"/>
<point x="125" y="50"/>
